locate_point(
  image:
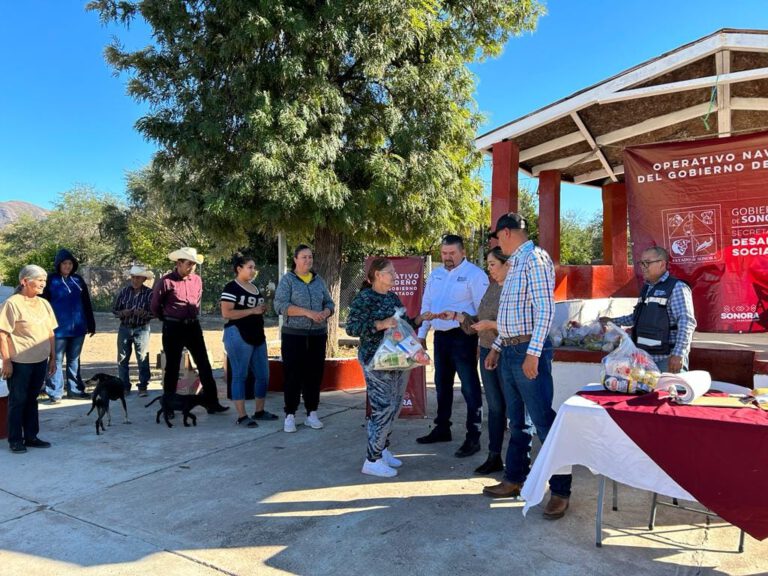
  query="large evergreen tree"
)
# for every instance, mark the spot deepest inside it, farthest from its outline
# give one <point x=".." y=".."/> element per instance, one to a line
<point x="330" y="119"/>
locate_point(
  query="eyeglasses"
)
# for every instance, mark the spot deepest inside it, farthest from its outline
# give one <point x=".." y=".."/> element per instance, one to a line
<point x="647" y="263"/>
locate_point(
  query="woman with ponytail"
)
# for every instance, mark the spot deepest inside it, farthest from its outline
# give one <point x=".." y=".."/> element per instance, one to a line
<point x="370" y="314"/>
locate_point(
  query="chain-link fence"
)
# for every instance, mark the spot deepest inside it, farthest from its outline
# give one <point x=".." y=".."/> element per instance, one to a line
<point x="105" y="283"/>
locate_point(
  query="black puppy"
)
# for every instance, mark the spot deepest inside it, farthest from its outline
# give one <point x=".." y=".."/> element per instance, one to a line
<point x="107" y="388"/>
<point x="183" y="402"/>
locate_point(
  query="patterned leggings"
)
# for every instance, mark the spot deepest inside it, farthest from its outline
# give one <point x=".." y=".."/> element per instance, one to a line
<point x="385" y="393"/>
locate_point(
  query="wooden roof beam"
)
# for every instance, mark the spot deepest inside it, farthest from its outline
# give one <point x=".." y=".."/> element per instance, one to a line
<point x="652" y="124"/>
<point x="723" y="67"/>
<point x="588" y="136"/>
<point x="551" y="146"/>
<point x="563" y="163"/>
<point x="683" y="85"/>
<point x="749" y="103"/>
<point x="597" y="175"/>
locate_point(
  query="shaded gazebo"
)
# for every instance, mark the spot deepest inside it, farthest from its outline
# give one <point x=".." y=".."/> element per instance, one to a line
<point x="715" y="86"/>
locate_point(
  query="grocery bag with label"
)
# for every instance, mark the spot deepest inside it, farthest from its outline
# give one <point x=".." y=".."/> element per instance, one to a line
<point x="629" y="369"/>
<point x="400" y="349"/>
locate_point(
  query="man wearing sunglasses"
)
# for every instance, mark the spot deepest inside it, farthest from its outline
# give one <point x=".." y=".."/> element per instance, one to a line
<point x="662" y="322"/>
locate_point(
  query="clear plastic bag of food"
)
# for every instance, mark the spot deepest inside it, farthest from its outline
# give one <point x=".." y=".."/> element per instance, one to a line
<point x="590" y="336"/>
<point x="400" y="349"/>
<point x="628" y="369"/>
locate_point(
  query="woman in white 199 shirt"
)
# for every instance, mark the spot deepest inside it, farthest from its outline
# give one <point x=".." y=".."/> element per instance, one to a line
<point x="242" y="305"/>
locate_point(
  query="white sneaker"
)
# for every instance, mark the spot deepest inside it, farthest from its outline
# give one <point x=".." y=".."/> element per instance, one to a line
<point x="313" y="421"/>
<point x="290" y="423"/>
<point x="378" y="468"/>
<point x="390" y="459"/>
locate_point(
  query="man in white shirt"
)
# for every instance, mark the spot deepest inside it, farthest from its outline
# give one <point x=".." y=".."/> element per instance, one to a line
<point x="458" y="286"/>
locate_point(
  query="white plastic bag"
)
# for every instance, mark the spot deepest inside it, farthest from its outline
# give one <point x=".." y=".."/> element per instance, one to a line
<point x="400" y="349"/>
<point x="629" y="369"/>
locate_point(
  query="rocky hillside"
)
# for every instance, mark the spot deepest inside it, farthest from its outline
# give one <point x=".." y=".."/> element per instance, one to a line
<point x="10" y="211"/>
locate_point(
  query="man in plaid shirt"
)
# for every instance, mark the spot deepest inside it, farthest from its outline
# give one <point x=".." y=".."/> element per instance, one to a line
<point x="131" y="306"/>
<point x="662" y="322"/>
<point x="523" y="353"/>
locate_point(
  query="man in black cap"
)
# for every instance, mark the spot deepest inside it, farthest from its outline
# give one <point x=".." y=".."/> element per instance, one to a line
<point x="523" y="351"/>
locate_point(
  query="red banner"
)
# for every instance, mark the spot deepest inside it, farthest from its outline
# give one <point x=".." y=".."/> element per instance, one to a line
<point x="409" y="286"/>
<point x="706" y="202"/>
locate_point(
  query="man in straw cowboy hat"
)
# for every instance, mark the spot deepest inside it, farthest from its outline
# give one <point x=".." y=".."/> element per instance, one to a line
<point x="176" y="301"/>
<point x="131" y="306"/>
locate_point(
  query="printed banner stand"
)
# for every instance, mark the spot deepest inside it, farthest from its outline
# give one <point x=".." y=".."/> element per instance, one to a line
<point x="409" y="286"/>
<point x="706" y="202"/>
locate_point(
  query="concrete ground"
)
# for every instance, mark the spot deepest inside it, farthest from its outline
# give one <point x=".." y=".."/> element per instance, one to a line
<point x="217" y="499"/>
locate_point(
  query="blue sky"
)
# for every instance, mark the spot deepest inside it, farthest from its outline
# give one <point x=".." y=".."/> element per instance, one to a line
<point x="65" y="119"/>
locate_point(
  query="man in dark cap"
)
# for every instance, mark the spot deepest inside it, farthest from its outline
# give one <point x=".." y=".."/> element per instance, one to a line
<point x="523" y="351"/>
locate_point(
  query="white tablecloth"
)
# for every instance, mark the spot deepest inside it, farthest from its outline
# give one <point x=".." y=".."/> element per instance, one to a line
<point x="584" y="433"/>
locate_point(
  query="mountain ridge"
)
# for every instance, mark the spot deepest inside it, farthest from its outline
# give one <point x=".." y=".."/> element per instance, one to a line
<point x="11" y="210"/>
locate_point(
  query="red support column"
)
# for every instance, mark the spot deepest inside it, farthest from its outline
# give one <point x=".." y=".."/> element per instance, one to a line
<point x="506" y="163"/>
<point x="615" y="227"/>
<point x="549" y="213"/>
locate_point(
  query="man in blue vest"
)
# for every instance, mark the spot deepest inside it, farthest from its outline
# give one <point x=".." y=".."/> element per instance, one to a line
<point x="662" y="322"/>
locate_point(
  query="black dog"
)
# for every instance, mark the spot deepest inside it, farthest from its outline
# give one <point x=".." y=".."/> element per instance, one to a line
<point x="183" y="402"/>
<point x="107" y="388"/>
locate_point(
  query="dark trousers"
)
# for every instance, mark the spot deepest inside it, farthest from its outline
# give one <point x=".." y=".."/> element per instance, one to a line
<point x="176" y="337"/>
<point x="455" y="352"/>
<point x="23" y="387"/>
<point x="303" y="365"/>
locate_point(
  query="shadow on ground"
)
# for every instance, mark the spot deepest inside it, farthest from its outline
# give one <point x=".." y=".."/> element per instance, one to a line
<point x="145" y="499"/>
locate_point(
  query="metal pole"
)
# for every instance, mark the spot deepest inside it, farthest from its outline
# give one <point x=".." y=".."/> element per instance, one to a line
<point x="282" y="258"/>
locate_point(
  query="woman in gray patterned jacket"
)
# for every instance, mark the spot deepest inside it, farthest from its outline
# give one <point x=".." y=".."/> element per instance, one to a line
<point x="305" y="304"/>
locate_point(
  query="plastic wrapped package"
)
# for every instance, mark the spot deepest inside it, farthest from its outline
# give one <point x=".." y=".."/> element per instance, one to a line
<point x="400" y="349"/>
<point x="591" y="336"/>
<point x="628" y="369"/>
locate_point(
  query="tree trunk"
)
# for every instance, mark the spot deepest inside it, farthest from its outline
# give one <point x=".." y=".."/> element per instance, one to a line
<point x="328" y="266"/>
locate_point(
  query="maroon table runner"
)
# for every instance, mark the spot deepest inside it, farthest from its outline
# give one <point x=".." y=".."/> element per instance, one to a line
<point x="718" y="455"/>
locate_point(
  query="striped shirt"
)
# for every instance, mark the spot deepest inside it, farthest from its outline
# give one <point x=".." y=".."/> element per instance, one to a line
<point x="680" y="312"/>
<point x="527" y="303"/>
<point x="128" y="299"/>
<point x="251" y="327"/>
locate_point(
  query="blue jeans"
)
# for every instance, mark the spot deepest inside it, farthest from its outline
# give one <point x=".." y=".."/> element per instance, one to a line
<point x="23" y="387"/>
<point x="497" y="407"/>
<point x="386" y="389"/>
<point x="69" y="348"/>
<point x="242" y="358"/>
<point x="535" y="395"/>
<point x="455" y="352"/>
<point x="128" y="339"/>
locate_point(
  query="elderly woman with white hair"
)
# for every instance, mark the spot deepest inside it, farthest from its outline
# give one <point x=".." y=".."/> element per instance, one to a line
<point x="28" y="350"/>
